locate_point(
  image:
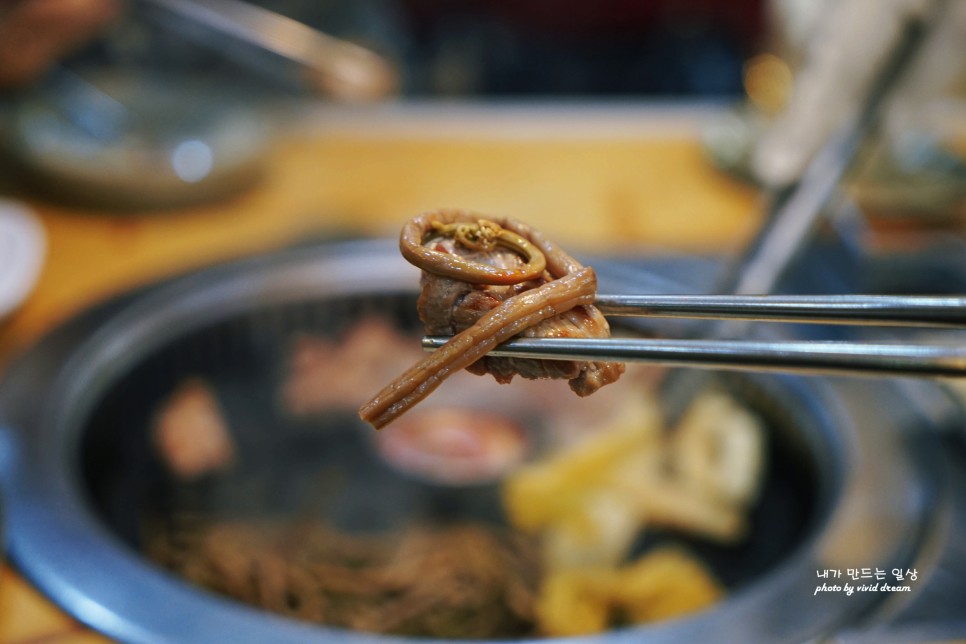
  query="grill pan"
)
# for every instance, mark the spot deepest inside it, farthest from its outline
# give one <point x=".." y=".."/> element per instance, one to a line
<point x="81" y="475"/>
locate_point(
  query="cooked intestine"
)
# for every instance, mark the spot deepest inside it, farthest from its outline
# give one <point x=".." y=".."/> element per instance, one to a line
<point x="484" y="281"/>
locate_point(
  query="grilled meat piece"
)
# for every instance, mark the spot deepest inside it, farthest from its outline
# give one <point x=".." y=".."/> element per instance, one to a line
<point x="485" y="281"/>
<point x="333" y="373"/>
<point x="191" y="434"/>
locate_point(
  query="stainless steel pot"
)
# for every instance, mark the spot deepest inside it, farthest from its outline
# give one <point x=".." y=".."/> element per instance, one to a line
<point x="862" y="492"/>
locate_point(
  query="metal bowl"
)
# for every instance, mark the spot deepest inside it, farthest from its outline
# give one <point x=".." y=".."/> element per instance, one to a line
<point x="145" y="142"/>
<point x="846" y="487"/>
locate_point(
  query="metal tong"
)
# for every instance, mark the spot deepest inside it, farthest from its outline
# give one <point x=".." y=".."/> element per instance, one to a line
<point x="279" y="46"/>
<point x="815" y="357"/>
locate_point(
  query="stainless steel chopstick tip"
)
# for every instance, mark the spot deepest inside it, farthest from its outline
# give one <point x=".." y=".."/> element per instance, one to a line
<point x="855" y="358"/>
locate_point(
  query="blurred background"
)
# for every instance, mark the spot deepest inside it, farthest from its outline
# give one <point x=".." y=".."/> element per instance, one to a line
<point x="493" y="49"/>
<point x="132" y="78"/>
<point x="622" y="124"/>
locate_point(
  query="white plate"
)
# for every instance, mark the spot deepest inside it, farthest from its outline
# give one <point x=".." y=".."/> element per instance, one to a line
<point x="22" y="251"/>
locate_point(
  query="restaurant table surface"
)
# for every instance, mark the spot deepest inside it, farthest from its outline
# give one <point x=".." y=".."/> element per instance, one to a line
<point x="625" y="178"/>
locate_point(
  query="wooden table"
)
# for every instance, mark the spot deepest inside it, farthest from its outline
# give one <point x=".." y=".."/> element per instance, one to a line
<point x="597" y="178"/>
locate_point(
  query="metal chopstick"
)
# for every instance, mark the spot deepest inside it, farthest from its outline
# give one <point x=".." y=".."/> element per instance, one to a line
<point x="851" y="358"/>
<point x="880" y="310"/>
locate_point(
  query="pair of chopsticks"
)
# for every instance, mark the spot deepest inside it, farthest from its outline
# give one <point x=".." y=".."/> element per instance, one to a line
<point x="816" y="357"/>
